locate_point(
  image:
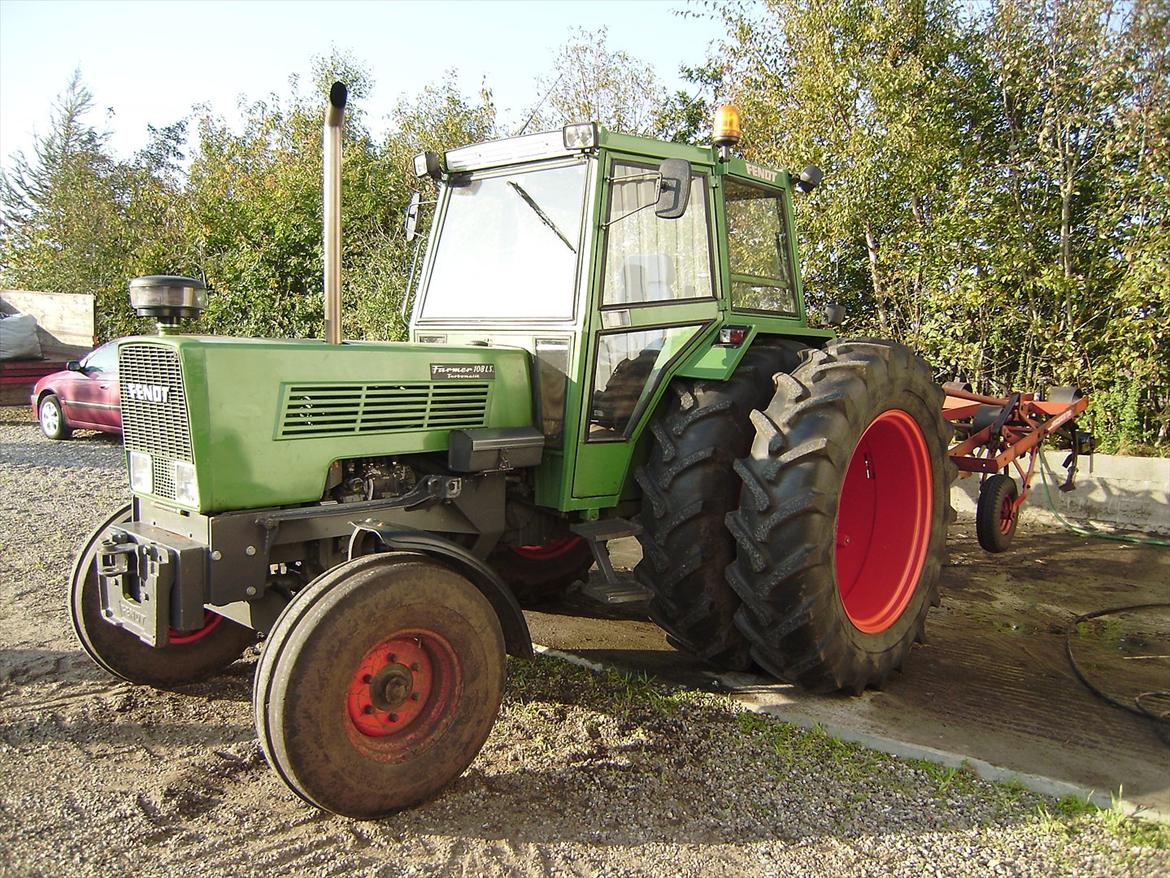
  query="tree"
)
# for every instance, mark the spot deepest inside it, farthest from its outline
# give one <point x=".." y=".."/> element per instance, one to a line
<point x="595" y="83"/>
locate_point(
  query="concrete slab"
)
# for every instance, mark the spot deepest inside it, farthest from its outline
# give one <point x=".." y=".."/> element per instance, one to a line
<point x="1130" y="493"/>
<point x="991" y="686"/>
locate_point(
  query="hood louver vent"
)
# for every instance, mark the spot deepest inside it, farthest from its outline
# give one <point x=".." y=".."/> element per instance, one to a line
<point x="313" y="410"/>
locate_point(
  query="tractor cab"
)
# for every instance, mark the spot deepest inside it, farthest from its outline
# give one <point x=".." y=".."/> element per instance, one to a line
<point x="617" y="262"/>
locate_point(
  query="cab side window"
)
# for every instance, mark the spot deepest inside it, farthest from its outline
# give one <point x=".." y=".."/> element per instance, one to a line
<point x="649" y="259"/>
<point x="757" y="250"/>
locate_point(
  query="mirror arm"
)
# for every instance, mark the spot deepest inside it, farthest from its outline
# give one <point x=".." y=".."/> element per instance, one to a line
<point x="654" y="203"/>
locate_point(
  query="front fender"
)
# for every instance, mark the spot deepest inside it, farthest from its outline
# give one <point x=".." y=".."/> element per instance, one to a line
<point x="517" y="638"/>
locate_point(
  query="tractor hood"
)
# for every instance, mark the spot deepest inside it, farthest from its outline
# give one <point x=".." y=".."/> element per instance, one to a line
<point x="274" y="414"/>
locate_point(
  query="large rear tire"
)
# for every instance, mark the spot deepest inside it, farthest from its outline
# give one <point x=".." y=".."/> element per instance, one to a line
<point x="379" y="684"/>
<point x="841" y="526"/>
<point x="191" y="656"/>
<point x="688" y="488"/>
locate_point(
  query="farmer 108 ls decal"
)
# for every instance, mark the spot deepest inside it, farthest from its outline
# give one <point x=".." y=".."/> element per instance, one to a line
<point x="608" y="337"/>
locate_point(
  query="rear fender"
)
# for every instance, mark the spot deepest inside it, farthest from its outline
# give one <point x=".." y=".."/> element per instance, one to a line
<point x="517" y="638"/>
<point x="715" y="362"/>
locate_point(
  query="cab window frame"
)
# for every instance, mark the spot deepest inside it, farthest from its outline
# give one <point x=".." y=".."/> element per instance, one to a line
<point x="704" y="176"/>
<point x="787" y="283"/>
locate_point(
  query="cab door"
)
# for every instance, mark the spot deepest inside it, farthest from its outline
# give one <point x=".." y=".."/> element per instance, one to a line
<point x="656" y="297"/>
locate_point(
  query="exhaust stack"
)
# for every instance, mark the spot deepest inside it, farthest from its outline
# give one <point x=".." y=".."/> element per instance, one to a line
<point x="334" y="117"/>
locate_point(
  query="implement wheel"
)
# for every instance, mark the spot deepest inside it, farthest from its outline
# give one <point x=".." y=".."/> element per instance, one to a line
<point x="996" y="515"/>
<point x="190" y="656"/>
<point x="538" y="574"/>
<point x="841" y="527"/>
<point x="379" y="684"/>
<point x="688" y="487"/>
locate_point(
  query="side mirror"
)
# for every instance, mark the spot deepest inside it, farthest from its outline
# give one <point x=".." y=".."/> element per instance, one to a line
<point x="675" y="189"/>
<point x="834" y="314"/>
<point x="73" y="365"/>
<point x="810" y="179"/>
<point x="412" y="216"/>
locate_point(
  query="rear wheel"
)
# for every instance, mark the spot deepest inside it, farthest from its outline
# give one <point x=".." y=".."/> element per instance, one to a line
<point x="379" y="684"/>
<point x="52" y="419"/>
<point x="841" y="527"/>
<point x="997" y="514"/>
<point x="538" y="574"/>
<point x="189" y="657"/>
<point x="688" y="488"/>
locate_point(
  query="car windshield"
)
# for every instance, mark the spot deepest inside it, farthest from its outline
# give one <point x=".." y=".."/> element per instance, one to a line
<point x="508" y="246"/>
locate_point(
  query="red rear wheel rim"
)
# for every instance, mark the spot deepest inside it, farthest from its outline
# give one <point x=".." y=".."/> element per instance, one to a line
<point x="1007" y="515"/>
<point x="883" y="521"/>
<point x="550" y="550"/>
<point x="211" y="621"/>
<point x="403" y="694"/>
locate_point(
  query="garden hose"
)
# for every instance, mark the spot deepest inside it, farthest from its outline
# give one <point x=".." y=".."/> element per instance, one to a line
<point x="1153" y="705"/>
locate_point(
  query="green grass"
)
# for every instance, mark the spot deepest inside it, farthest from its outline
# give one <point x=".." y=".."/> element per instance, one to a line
<point x="537" y="688"/>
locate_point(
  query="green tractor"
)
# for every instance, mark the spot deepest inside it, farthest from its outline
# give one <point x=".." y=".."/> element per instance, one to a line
<point x="608" y="338"/>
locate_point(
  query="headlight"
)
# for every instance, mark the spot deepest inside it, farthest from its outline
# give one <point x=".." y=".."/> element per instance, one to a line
<point x="141" y="472"/>
<point x="186" y="488"/>
<point x="580" y="136"/>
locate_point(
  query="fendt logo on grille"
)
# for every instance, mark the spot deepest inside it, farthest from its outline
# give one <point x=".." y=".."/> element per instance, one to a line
<point x="146" y="392"/>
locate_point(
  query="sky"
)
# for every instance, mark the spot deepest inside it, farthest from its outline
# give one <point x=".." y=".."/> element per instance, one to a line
<point x="150" y="62"/>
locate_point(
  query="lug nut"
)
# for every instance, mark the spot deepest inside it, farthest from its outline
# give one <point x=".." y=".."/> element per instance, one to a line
<point x="414" y="696"/>
<point x="393" y="657"/>
<point x="369" y="708"/>
<point x="414" y="666"/>
<point x="393" y="717"/>
<point x="367" y="678"/>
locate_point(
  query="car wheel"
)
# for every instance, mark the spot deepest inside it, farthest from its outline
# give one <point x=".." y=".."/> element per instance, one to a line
<point x="52" y="419"/>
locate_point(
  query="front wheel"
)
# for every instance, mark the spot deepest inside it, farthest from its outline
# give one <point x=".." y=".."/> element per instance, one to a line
<point x="52" y="419"/>
<point x="841" y="526"/>
<point x="379" y="684"/>
<point x="190" y="656"/>
<point x="997" y="514"/>
<point x="539" y="574"/>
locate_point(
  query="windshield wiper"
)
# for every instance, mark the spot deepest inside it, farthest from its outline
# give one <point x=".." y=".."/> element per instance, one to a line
<point x="544" y="218"/>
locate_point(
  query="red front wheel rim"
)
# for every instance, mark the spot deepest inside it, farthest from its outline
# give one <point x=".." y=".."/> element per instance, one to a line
<point x="549" y="551"/>
<point x="884" y="521"/>
<point x="403" y="693"/>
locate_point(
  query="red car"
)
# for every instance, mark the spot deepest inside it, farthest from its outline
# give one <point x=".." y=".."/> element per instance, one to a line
<point x="84" y="396"/>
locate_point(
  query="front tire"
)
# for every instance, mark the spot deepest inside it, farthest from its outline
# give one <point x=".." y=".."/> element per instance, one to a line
<point x="688" y="489"/>
<point x="334" y="698"/>
<point x="539" y="574"/>
<point x="841" y="527"/>
<point x="191" y="656"/>
<point x="52" y="419"/>
<point x="996" y="514"/>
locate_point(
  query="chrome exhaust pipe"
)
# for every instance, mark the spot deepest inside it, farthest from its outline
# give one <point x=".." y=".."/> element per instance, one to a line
<point x="334" y="117"/>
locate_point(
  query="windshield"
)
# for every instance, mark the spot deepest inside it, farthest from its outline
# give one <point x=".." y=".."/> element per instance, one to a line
<point x="508" y="246"/>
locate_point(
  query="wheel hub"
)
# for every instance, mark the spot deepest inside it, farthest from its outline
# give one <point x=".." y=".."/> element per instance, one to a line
<point x="391" y="686"/>
<point x="404" y="688"/>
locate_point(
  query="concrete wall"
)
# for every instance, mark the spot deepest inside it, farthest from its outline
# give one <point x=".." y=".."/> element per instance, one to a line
<point x="1128" y="493"/>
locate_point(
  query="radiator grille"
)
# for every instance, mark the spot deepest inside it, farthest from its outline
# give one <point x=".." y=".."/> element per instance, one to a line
<point x="156" y="425"/>
<point x="312" y="410"/>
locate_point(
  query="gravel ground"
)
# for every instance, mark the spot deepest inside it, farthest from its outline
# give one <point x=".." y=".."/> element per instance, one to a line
<point x="584" y="774"/>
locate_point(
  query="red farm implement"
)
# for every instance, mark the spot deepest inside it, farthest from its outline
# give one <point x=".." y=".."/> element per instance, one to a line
<point x="997" y="434"/>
